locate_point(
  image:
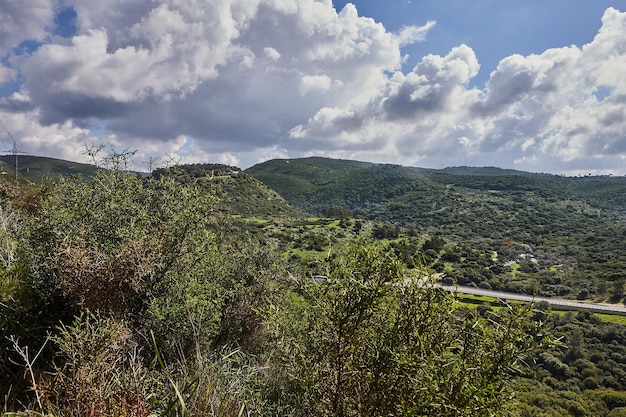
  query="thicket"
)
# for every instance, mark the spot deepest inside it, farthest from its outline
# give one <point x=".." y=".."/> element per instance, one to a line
<point x="132" y="296"/>
<point x="585" y="377"/>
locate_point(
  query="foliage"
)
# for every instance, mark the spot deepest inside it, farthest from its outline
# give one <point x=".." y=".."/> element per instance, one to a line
<point x="102" y="371"/>
<point x="369" y="341"/>
<point x="105" y="263"/>
<point x="573" y="227"/>
<point x="236" y="193"/>
<point x="111" y="243"/>
<point x="184" y="293"/>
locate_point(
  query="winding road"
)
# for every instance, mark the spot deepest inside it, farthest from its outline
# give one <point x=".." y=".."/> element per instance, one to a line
<point x="557" y="303"/>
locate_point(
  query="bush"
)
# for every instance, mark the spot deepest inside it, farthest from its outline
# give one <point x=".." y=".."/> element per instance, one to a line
<point x="102" y="371"/>
<point x="371" y="342"/>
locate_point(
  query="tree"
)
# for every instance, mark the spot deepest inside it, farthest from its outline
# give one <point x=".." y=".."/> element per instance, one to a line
<point x="617" y="289"/>
<point x="372" y="341"/>
<point x="435" y="243"/>
<point x="111" y="243"/>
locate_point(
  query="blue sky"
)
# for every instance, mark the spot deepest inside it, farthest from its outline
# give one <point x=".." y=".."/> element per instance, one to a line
<point x="531" y="85"/>
<point x="494" y="29"/>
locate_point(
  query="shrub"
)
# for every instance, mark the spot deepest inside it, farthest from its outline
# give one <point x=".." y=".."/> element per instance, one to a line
<point x="371" y="342"/>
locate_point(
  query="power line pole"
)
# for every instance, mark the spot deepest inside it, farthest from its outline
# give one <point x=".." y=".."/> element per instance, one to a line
<point x="14" y="151"/>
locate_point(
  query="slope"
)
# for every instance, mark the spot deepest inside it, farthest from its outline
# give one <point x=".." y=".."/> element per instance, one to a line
<point x="38" y="168"/>
<point x="524" y="232"/>
<point x="236" y="192"/>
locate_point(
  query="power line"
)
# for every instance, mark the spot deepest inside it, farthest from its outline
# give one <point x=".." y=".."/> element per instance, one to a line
<point x="14" y="151"/>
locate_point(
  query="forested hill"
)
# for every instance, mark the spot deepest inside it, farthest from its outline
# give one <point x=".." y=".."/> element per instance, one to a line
<point x="453" y="200"/>
<point x="236" y="193"/>
<point x="567" y="234"/>
<point x="315" y="184"/>
<point x="38" y="168"/>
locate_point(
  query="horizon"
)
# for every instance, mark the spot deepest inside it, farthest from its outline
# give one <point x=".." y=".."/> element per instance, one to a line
<point x="133" y="168"/>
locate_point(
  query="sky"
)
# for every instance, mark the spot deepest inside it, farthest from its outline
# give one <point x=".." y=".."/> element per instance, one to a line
<point x="532" y="85"/>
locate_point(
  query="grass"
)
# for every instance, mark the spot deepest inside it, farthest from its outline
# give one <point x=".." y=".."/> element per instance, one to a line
<point x="609" y="318"/>
<point x="514" y="268"/>
<point x="474" y="299"/>
<point x="470" y="300"/>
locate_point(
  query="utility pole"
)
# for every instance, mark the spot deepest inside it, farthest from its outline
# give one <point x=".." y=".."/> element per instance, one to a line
<point x="14" y="151"/>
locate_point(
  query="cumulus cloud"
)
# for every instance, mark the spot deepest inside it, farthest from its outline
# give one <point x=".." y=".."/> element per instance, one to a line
<point x="243" y="80"/>
<point x="207" y="69"/>
<point x="316" y="82"/>
<point x="429" y="87"/>
<point x="553" y="99"/>
<point x="20" y="22"/>
<point x="555" y="108"/>
<point x="23" y="21"/>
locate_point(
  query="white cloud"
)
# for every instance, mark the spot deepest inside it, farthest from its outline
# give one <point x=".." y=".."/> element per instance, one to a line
<point x="6" y="74"/>
<point x="409" y="35"/>
<point x="430" y="86"/>
<point x="312" y="83"/>
<point x="271" y="53"/>
<point x="537" y="108"/>
<point x="60" y="140"/>
<point x="241" y="78"/>
<point x="23" y="20"/>
<point x="550" y="98"/>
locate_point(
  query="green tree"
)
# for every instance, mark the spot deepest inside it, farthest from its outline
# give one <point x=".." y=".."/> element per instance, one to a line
<point x="371" y="341"/>
<point x="113" y="242"/>
<point x="617" y="289"/>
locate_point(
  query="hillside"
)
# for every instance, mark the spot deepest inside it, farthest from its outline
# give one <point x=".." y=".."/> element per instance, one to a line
<point x="39" y="168"/>
<point x="522" y="232"/>
<point x="318" y="183"/>
<point x="196" y="289"/>
<point x="236" y="193"/>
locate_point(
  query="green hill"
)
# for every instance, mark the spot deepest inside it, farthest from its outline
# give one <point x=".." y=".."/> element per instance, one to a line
<point x="38" y="168"/>
<point x="524" y="232"/>
<point x="315" y="184"/>
<point x="237" y="193"/>
<point x="430" y="199"/>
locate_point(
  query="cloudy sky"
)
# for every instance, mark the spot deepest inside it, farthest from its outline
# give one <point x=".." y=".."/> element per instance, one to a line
<point x="531" y="85"/>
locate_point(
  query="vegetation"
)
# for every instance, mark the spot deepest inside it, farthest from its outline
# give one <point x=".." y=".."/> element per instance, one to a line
<point x="515" y="231"/>
<point x="200" y="291"/>
<point x="372" y="341"/>
<point x="36" y="168"/>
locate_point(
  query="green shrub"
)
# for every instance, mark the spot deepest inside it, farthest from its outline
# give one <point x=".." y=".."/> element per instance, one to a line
<point x="369" y="341"/>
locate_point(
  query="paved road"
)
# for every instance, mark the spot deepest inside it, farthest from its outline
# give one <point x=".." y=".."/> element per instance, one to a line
<point x="561" y="304"/>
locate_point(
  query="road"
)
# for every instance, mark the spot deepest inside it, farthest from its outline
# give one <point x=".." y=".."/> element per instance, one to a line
<point x="556" y="303"/>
